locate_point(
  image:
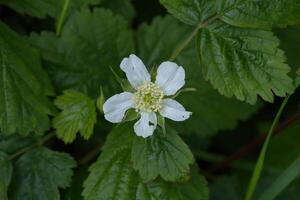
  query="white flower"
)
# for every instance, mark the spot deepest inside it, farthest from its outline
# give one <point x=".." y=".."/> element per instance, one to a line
<point x="149" y="98"/>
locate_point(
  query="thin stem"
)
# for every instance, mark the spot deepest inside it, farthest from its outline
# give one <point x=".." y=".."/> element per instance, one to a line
<point x="62" y="17"/>
<point x="25" y="149"/>
<point x="90" y="155"/>
<point x="260" y="162"/>
<point x="186" y="42"/>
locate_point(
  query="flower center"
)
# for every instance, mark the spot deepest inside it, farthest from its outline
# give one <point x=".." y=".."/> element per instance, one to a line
<point x="148" y="97"/>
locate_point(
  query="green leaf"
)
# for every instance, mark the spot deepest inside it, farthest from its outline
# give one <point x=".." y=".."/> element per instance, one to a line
<point x="24" y="85"/>
<point x="211" y="111"/>
<point x="5" y="175"/>
<point x="291" y="173"/>
<point x="79" y="59"/>
<point x="162" y="155"/>
<point x="244" y="62"/>
<point x="43" y="8"/>
<point x="78" y="115"/>
<point x="112" y="176"/>
<point x="39" y="173"/>
<point x="190" y="11"/>
<point x="195" y="189"/>
<point x="263" y="14"/>
<point x="10" y="144"/>
<point x="121" y="7"/>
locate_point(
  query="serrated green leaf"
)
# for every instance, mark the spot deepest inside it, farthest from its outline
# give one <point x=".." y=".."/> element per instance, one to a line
<point x="263" y="14"/>
<point x="39" y="173"/>
<point x="211" y="111"/>
<point x="78" y="115"/>
<point x="79" y="59"/>
<point x="112" y="176"/>
<point x="24" y="85"/>
<point x="190" y="11"/>
<point x="194" y="189"/>
<point x="162" y="155"/>
<point x="43" y="8"/>
<point x="5" y="175"/>
<point x="244" y="62"/>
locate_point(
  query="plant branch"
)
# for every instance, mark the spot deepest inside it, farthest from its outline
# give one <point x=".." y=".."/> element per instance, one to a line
<point x="254" y="144"/>
<point x="27" y="148"/>
<point x="90" y="155"/>
<point x="186" y="42"/>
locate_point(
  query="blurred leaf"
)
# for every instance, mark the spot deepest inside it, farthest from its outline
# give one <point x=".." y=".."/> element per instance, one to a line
<point x="43" y="8"/>
<point x="161" y="155"/>
<point x="80" y="58"/>
<point x="12" y="143"/>
<point x="113" y="177"/>
<point x="39" y="173"/>
<point x="263" y="14"/>
<point x="291" y="173"/>
<point x="24" y="85"/>
<point x="5" y="175"/>
<point x="226" y="188"/>
<point x="78" y="115"/>
<point x="211" y="111"/>
<point x="122" y="7"/>
<point x="284" y="146"/>
<point x="244" y="62"/>
<point x="194" y="189"/>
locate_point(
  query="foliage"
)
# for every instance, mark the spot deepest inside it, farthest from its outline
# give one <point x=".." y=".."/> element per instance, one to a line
<point x="60" y="61"/>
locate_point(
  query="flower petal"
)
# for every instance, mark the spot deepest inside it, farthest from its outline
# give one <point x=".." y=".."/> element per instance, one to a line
<point x="115" y="107"/>
<point x="173" y="110"/>
<point x="143" y="127"/>
<point x="170" y="77"/>
<point x="135" y="70"/>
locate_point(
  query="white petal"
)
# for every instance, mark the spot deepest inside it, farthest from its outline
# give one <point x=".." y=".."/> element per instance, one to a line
<point x="143" y="127"/>
<point x="170" y="77"/>
<point x="173" y="110"/>
<point x="135" y="70"/>
<point x="115" y="107"/>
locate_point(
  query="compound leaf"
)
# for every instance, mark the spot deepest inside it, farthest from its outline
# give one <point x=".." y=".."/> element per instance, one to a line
<point x="24" y="86"/>
<point x="39" y="173"/>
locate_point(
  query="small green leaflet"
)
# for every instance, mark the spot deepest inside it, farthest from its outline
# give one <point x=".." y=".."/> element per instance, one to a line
<point x="78" y="115"/>
<point x="43" y="8"/>
<point x="39" y="173"/>
<point x="24" y="87"/>
<point x="161" y="155"/>
<point x="79" y="59"/>
<point x="244" y="62"/>
<point x="211" y="111"/>
<point x="113" y="177"/>
<point x="5" y="175"/>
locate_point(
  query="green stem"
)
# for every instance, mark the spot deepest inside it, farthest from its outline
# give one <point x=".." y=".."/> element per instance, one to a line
<point x="260" y="162"/>
<point x="40" y="142"/>
<point x="62" y="17"/>
<point x="186" y="42"/>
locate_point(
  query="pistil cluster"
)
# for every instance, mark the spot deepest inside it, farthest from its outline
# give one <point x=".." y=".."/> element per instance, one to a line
<point x="148" y="98"/>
